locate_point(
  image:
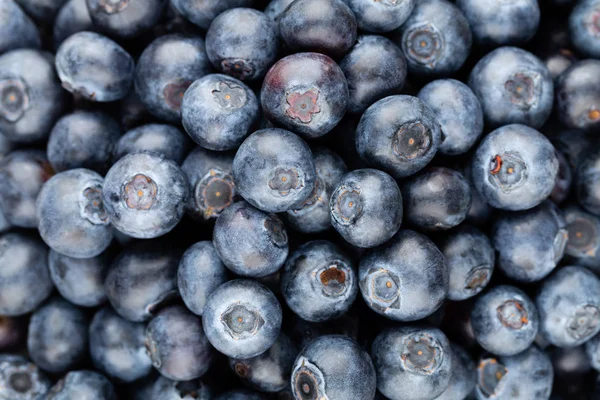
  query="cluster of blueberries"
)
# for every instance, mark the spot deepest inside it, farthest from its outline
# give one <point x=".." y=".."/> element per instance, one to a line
<point x="299" y="199"/>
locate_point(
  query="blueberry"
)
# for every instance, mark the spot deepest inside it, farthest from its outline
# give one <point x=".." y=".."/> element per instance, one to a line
<point x="145" y="194"/>
<point x="165" y="140"/>
<point x="436" y="38"/>
<point x="501" y="23"/>
<point x="399" y="134"/>
<point x="525" y="376"/>
<point x="22" y="174"/>
<point x="374" y="68"/>
<point x="249" y="241"/>
<point x="24" y="279"/>
<point x="366" y="207"/>
<point x="514" y="168"/>
<point x="200" y="272"/>
<point x="12" y="332"/>
<point x="270" y="371"/>
<point x="583" y="245"/>
<point x="125" y="18"/>
<point x="470" y="259"/>
<point x="165" y="70"/>
<point x="94" y="67"/>
<point x="17" y="30"/>
<point x="578" y="96"/>
<point x="30" y="98"/>
<point x="203" y="13"/>
<point x="212" y="189"/>
<point x="306" y="93"/>
<point x="90" y="384"/>
<point x="587" y="185"/>
<point x="117" y="346"/>
<point x="240" y="394"/>
<point x="41" y="10"/>
<point x="80" y="281"/>
<point x="274" y="11"/>
<point x="593" y="352"/>
<point x="166" y="389"/>
<point x="312" y="215"/>
<point x="559" y="61"/>
<point x="412" y="362"/>
<point x="564" y="180"/>
<point x="569" y="306"/>
<point x="463" y="376"/>
<point x="514" y="87"/>
<point x="141" y="278"/>
<point x="72" y="17"/>
<point x="530" y="243"/>
<point x="324" y="26"/>
<point x="458" y="112"/>
<point x="381" y="16"/>
<point x="333" y="367"/>
<point x="406" y="279"/>
<point x="21" y="379"/>
<point x="219" y="111"/>
<point x="242" y="318"/>
<point x="584" y="27"/>
<point x="58" y="336"/>
<point x="319" y="281"/>
<point x="71" y="216"/>
<point x="83" y="139"/>
<point x="304" y="332"/>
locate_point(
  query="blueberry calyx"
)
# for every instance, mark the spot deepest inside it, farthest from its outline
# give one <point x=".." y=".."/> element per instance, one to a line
<point x="512" y="314"/>
<point x="507" y="171"/>
<point x="424" y="44"/>
<point x="92" y="206"/>
<point x="421" y="353"/>
<point x="302" y="105"/>
<point x="14" y="99"/>
<point x="229" y="95"/>
<point x="411" y="141"/>
<point x="583" y="322"/>
<point x="140" y="192"/>
<point x="173" y="93"/>
<point x="241" y="321"/>
<point x="490" y="374"/>
<point x="214" y="192"/>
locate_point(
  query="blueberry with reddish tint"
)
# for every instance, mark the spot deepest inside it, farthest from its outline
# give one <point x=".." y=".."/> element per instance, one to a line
<point x="374" y="68"/>
<point x="200" y="272"/>
<point x="578" y="97"/>
<point x="145" y="194"/>
<point x="94" y="67"/>
<point x="243" y="43"/>
<point x="463" y="376"/>
<point x="17" y="30"/>
<point x="531" y="243"/>
<point x="22" y="174"/>
<point x="310" y="103"/>
<point x="587" y="184"/>
<point x="31" y="98"/>
<point x="381" y="16"/>
<point x="274" y="11"/>
<point x="141" y="279"/>
<point x="218" y="112"/>
<point x="458" y="112"/>
<point x="209" y="176"/>
<point x="83" y="139"/>
<point x="470" y="259"/>
<point x="366" y="207"/>
<point x="164" y="388"/>
<point x="165" y="70"/>
<point x="21" y="379"/>
<point x="270" y="371"/>
<point x="72" y="17"/>
<point x="514" y="168"/>
<point x="436" y="38"/>
<point x="80" y="281"/>
<point x="312" y="215"/>
<point x="583" y="246"/>
<point x="525" y="376"/>
<point x="324" y="26"/>
<point x="57" y="339"/>
<point x="242" y="318"/>
<point x="126" y="18"/>
<point x="406" y="279"/>
<point x="240" y="394"/>
<point x="165" y="140"/>
<point x="333" y="367"/>
<point x="204" y="12"/>
<point x="75" y="383"/>
<point x="249" y="241"/>
<point x="569" y="306"/>
<point x="12" y="333"/>
<point x="564" y="180"/>
<point x="399" y="134"/>
<point x="514" y="87"/>
<point x="501" y="23"/>
<point x="319" y="281"/>
<point x="584" y="27"/>
<point x="412" y="362"/>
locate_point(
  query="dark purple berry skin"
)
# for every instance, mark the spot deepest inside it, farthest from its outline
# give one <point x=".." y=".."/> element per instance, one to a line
<point x="306" y="93"/>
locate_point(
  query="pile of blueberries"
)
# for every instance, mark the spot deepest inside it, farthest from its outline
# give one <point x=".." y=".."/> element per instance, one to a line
<point x="299" y="199"/>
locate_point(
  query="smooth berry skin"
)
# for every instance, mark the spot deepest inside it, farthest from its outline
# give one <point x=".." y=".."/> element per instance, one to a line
<point x="399" y="134"/>
<point x="458" y="112"/>
<point x="592" y="351"/>
<point x="16" y="366"/>
<point x="219" y="111"/>
<point x="166" y="140"/>
<point x="203" y="13"/>
<point x="564" y="180"/>
<point x="17" y="29"/>
<point x="57" y="338"/>
<point x="380" y="16"/>
<point x="587" y="186"/>
<point x="250" y="242"/>
<point x="470" y="258"/>
<point x="256" y="307"/>
<point x="32" y="99"/>
<point x="584" y="28"/>
<point x="200" y="272"/>
<point x="463" y="376"/>
<point x="42" y="11"/>
<point x="311" y="102"/>
<point x="514" y="168"/>
<point x="334" y="367"/>
<point x="126" y="19"/>
<point x="82" y="56"/>
<point x="164" y="388"/>
<point x="406" y="279"/>
<point x="324" y="26"/>
<point x="366" y="207"/>
<point x="274" y="170"/>
<point x="374" y="68"/>
<point x="577" y="96"/>
<point x="274" y="11"/>
<point x="583" y="246"/>
<point x="94" y="385"/>
<point x="72" y="17"/>
<point x="397" y="377"/>
<point x="24" y="280"/>
<point x="444" y="30"/>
